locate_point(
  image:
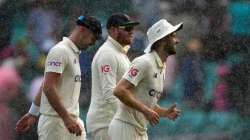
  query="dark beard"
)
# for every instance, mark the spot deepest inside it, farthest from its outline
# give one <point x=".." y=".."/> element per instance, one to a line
<point x="170" y="50"/>
<point x="122" y="41"/>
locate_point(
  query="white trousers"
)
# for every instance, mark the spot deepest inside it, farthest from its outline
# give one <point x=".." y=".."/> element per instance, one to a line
<point x="53" y="128"/>
<point x="100" y="134"/>
<point x="119" y="130"/>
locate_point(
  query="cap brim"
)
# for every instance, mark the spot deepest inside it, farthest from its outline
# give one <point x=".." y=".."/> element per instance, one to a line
<point x="176" y="28"/>
<point x="131" y="23"/>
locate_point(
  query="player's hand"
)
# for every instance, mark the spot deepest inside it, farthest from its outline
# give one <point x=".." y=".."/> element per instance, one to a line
<point x="152" y="117"/>
<point x="172" y="113"/>
<point x="73" y="126"/>
<point x="25" y="123"/>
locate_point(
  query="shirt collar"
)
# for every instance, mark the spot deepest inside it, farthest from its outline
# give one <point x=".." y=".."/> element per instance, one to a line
<point x="158" y="59"/>
<point x="72" y="45"/>
<point x="117" y="45"/>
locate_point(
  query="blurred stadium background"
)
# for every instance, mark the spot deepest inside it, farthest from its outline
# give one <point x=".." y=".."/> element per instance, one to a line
<point x="209" y="78"/>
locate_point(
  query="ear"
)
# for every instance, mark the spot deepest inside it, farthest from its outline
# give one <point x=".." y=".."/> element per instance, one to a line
<point x="113" y="31"/>
<point x="83" y="31"/>
<point x="82" y="28"/>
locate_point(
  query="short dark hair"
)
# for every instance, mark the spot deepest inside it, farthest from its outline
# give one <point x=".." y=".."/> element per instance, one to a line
<point x="91" y="23"/>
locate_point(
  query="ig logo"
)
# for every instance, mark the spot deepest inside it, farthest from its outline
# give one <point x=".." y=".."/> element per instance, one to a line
<point x="133" y="72"/>
<point x="105" y="68"/>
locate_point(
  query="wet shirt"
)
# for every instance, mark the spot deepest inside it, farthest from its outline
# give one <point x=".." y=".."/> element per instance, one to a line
<point x="146" y="73"/>
<point x="63" y="58"/>
<point x="108" y="66"/>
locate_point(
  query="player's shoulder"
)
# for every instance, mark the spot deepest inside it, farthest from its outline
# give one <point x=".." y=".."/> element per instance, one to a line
<point x="106" y="52"/>
<point x="59" y="49"/>
<point x="106" y="48"/>
<point x="144" y="60"/>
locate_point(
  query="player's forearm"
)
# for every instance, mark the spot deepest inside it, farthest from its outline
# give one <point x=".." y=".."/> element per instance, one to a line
<point x="35" y="106"/>
<point x="54" y="100"/>
<point x="161" y="111"/>
<point x="129" y="99"/>
<point x="37" y="99"/>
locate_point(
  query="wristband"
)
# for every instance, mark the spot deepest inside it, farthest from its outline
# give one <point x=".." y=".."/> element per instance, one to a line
<point x="34" y="110"/>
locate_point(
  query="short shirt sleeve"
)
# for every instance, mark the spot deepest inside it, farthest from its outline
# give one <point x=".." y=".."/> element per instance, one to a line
<point x="56" y="60"/>
<point x="136" y="72"/>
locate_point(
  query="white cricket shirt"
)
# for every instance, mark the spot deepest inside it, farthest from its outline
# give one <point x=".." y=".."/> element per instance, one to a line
<point x="63" y="58"/>
<point x="146" y="73"/>
<point x="108" y="66"/>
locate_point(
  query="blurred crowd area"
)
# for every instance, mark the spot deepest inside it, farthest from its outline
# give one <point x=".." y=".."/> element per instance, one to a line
<point x="209" y="78"/>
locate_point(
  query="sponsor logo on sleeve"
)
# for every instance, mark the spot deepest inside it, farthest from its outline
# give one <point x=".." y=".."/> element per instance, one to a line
<point x="54" y="63"/>
<point x="105" y="68"/>
<point x="132" y="72"/>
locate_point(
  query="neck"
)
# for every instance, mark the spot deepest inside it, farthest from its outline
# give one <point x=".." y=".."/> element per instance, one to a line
<point x="73" y="38"/>
<point x="116" y="39"/>
<point x="162" y="54"/>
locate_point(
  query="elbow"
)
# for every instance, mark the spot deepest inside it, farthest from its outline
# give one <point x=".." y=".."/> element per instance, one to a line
<point x="117" y="92"/>
<point x="47" y="89"/>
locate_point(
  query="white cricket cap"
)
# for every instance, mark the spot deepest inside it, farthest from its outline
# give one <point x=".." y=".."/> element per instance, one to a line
<point x="159" y="30"/>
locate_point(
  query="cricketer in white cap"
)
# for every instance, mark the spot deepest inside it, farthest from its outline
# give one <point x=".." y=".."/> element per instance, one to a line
<point x="142" y="86"/>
